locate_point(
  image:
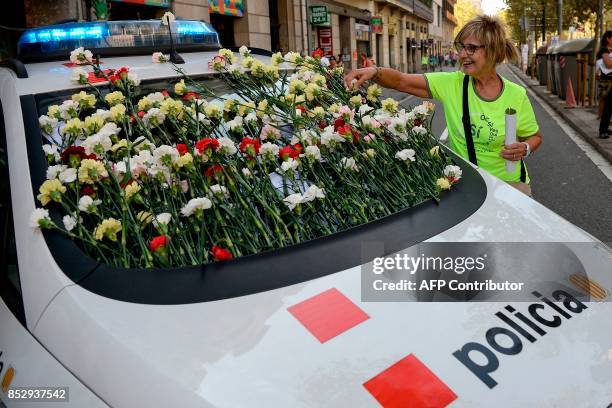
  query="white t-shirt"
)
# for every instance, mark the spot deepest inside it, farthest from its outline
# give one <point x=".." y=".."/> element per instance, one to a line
<point x="602" y="67"/>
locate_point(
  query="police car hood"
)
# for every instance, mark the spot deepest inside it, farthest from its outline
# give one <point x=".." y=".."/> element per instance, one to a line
<point x="272" y="349"/>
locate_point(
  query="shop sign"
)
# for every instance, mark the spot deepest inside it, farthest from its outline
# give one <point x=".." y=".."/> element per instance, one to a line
<point x="226" y="7"/>
<point x="319" y="15"/>
<point x="376" y="24"/>
<point x="362" y="32"/>
<point x="324" y="37"/>
<point x="392" y="26"/>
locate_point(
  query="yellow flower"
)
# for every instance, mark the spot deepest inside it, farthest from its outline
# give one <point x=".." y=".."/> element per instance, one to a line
<point x="184" y="160"/>
<point x="144" y="217"/>
<point x="258" y="69"/>
<point x="443" y="183"/>
<point x="93" y="123"/>
<point x="262" y="107"/>
<point x="51" y="190"/>
<point x="85" y="100"/>
<point x="390" y="105"/>
<point x="356" y="100"/>
<point x="229" y="105"/>
<point x="333" y="108"/>
<point x="91" y="171"/>
<point x="271" y="71"/>
<point x="108" y="229"/>
<point x="114" y="98"/>
<point x="319" y="80"/>
<point x="131" y="190"/>
<point x="435" y="151"/>
<point x="246" y="108"/>
<point x="117" y="112"/>
<point x="73" y="127"/>
<point x="227" y="54"/>
<point x="317" y="112"/>
<point x="172" y="107"/>
<point x="247" y="62"/>
<point x="374" y="92"/>
<point x="311" y="91"/>
<point x="212" y="111"/>
<point x="277" y="59"/>
<point x="180" y="88"/>
<point x="144" y="104"/>
<point x="119" y="145"/>
<point x="297" y="85"/>
<point x="54" y="112"/>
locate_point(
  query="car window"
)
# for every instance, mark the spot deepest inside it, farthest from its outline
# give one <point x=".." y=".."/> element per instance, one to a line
<point x="10" y="286"/>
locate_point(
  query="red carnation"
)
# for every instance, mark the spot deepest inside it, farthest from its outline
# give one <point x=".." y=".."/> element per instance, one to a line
<point x="158" y="242"/>
<point x="165" y="93"/>
<point x="292" y="151"/>
<point x="212" y="171"/>
<point x="73" y="151"/>
<point x="338" y="123"/>
<point x="355" y="136"/>
<point x="221" y="254"/>
<point x="207" y="143"/>
<point x="301" y="108"/>
<point x="182" y="148"/>
<point x="418" y="122"/>
<point x="141" y="114"/>
<point x="191" y="95"/>
<point x="89" y="191"/>
<point x="345" y="129"/>
<point x="322" y="124"/>
<point x="250" y="146"/>
<point x="318" y="53"/>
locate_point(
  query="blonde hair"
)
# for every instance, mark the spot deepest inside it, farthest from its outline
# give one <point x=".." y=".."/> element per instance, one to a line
<point x="490" y="30"/>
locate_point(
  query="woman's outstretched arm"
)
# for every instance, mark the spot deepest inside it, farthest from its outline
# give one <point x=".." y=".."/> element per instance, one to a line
<point x="414" y="84"/>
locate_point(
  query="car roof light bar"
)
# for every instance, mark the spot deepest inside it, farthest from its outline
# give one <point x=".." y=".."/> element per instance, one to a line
<point x="115" y="38"/>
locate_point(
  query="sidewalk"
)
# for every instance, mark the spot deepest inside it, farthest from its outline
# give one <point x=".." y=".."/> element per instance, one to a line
<point x="582" y="119"/>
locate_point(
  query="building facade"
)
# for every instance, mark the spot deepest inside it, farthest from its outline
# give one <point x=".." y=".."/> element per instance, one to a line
<point x="395" y="33"/>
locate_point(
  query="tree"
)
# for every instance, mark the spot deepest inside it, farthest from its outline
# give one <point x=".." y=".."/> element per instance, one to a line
<point x="465" y="10"/>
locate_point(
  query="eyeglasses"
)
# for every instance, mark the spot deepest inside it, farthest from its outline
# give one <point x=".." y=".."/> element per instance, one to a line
<point x="470" y="49"/>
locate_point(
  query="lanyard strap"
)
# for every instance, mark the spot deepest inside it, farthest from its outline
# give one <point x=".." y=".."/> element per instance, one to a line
<point x="467" y="130"/>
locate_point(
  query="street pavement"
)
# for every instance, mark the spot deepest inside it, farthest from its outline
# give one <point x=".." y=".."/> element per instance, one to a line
<point x="566" y="176"/>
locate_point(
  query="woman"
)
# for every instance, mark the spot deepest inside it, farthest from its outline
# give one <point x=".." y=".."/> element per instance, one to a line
<point x="604" y="63"/>
<point x="482" y="45"/>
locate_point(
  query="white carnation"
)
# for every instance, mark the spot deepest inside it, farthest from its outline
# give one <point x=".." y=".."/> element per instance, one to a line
<point x="200" y="203"/>
<point x="406" y="154"/>
<point x="69" y="222"/>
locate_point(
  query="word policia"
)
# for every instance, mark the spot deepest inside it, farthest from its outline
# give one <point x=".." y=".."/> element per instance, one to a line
<point x="571" y="306"/>
<point x="183" y="176"/>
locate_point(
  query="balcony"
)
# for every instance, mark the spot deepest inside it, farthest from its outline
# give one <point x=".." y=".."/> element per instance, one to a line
<point x="422" y="9"/>
<point x="451" y="17"/>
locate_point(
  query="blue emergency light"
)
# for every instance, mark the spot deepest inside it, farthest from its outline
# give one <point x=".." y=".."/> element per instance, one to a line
<point x="115" y="38"/>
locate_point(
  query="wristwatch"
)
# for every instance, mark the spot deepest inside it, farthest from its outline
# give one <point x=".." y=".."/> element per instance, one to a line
<point x="527" y="150"/>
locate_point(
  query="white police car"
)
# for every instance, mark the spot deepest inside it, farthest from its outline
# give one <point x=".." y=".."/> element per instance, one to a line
<point x="296" y="327"/>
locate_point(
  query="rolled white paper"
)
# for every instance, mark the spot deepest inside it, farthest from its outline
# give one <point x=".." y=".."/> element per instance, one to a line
<point x="510" y="139"/>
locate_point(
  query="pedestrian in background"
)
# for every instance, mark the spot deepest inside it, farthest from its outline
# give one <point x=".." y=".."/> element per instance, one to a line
<point x="604" y="64"/>
<point x="482" y="44"/>
<point x="433" y="61"/>
<point x="424" y="63"/>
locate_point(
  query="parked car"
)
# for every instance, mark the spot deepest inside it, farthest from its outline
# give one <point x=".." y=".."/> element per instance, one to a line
<point x="288" y="328"/>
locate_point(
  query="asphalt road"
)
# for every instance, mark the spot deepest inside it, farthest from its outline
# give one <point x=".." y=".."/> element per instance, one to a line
<point x="563" y="177"/>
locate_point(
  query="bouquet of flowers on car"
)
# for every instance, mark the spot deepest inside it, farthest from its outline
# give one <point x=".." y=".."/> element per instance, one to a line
<point x="182" y="176"/>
